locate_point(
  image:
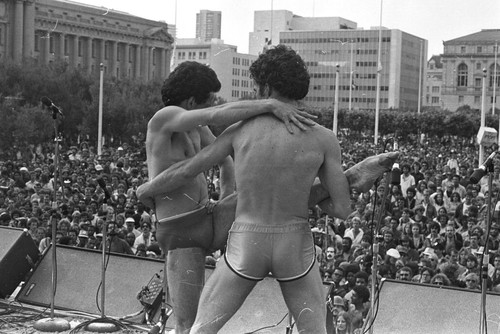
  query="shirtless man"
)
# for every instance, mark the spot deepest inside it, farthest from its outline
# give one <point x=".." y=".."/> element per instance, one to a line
<point x="176" y="133"/>
<point x="274" y="173"/>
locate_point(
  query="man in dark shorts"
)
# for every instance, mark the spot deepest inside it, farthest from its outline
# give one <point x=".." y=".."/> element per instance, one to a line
<point x="175" y="133"/>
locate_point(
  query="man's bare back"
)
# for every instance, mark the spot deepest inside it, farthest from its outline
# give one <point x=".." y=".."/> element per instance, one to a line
<point x="274" y="170"/>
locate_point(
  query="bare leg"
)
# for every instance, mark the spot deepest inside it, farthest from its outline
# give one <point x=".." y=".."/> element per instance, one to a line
<point x="305" y="299"/>
<point x="185" y="279"/>
<point x="223" y="295"/>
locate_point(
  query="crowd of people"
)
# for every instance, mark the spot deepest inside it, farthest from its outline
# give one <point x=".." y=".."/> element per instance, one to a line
<point x="432" y="225"/>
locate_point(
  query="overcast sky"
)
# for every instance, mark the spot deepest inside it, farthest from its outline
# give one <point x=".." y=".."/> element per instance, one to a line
<point x="433" y="20"/>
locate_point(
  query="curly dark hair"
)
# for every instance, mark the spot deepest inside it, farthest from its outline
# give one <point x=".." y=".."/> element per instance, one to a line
<point x="283" y="70"/>
<point x="189" y="79"/>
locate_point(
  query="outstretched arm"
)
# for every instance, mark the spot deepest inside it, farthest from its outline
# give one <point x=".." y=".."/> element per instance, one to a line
<point x="176" y="119"/>
<point x="184" y="171"/>
<point x="361" y="176"/>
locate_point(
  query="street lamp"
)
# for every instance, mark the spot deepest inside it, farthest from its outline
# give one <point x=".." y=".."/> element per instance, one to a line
<point x="336" y="105"/>
<point x="420" y="79"/>
<point x="483" y="115"/>
<point x="379" y="69"/>
<point x="351" y="42"/>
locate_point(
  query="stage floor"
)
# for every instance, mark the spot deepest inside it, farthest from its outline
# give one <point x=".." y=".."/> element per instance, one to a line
<point x="17" y="318"/>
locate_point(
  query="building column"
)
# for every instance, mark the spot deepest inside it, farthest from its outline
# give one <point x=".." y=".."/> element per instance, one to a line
<point x="59" y="47"/>
<point x="113" y="53"/>
<point x="29" y="29"/>
<point x="163" y="64"/>
<point x="73" y="53"/>
<point x="46" y="47"/>
<point x="145" y="62"/>
<point x="18" y="30"/>
<point x="125" y="60"/>
<point x="102" y="51"/>
<point x="88" y="54"/>
<point x="138" y="61"/>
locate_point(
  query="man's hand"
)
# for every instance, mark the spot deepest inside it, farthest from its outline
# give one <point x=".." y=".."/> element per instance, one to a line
<point x="363" y="175"/>
<point x="287" y="113"/>
<point x="144" y="196"/>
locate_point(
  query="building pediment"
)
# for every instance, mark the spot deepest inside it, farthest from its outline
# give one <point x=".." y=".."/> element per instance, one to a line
<point x="159" y="33"/>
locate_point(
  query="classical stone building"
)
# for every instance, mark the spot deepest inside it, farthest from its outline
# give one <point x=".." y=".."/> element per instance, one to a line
<point x="433" y="83"/>
<point x="466" y="60"/>
<point x="84" y="36"/>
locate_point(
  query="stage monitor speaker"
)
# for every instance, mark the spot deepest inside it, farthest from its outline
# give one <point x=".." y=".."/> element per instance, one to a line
<point x="79" y="275"/>
<point x="79" y="278"/>
<point x="412" y="308"/>
<point x="18" y="255"/>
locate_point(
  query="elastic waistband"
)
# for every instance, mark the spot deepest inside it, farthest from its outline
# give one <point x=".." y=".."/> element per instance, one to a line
<point x="183" y="216"/>
<point x="283" y="228"/>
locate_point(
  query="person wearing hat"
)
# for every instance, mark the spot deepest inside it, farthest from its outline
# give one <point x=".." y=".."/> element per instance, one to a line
<point x="130" y="227"/>
<point x="83" y="239"/>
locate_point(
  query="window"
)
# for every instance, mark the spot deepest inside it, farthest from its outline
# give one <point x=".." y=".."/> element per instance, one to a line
<point x="462" y="76"/>
<point x="462" y="49"/>
<point x="479" y="49"/>
<point x="478" y="65"/>
<point x="435" y="99"/>
<point x="460" y="99"/>
<point x="435" y="89"/>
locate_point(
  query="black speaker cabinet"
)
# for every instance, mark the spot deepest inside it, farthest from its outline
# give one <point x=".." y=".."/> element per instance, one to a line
<point x="18" y="255"/>
<point x="79" y="277"/>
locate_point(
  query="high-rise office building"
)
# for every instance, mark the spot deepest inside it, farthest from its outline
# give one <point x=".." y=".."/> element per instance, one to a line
<point x="332" y="44"/>
<point x="208" y="25"/>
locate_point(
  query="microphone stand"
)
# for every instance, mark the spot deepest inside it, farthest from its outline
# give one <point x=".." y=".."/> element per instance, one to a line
<point x="376" y="246"/>
<point x="102" y="324"/>
<point x="486" y="256"/>
<point x="387" y="183"/>
<point x="53" y="324"/>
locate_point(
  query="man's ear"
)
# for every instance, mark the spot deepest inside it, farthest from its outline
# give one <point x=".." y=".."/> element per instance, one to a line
<point x="267" y="91"/>
<point x="190" y="103"/>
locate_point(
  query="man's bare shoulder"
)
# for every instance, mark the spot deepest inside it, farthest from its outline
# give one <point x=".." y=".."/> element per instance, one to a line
<point x="162" y="117"/>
